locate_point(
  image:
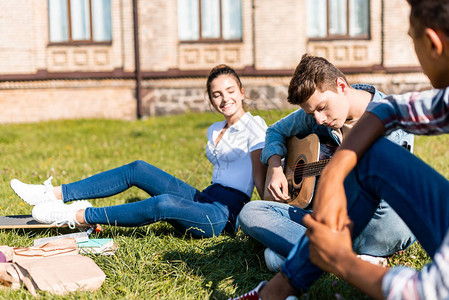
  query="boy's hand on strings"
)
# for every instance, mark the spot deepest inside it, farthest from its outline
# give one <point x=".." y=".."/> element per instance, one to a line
<point x="278" y="186"/>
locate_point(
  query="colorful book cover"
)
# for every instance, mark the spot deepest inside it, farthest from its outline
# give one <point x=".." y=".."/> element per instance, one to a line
<point x="96" y="246"/>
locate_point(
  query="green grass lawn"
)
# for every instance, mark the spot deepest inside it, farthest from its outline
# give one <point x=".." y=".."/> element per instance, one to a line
<point x="155" y="261"/>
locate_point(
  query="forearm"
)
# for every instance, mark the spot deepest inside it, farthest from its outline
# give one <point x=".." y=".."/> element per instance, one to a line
<point x="259" y="183"/>
<point x="278" y="133"/>
<point x="259" y="172"/>
<point x="331" y="250"/>
<point x="367" y="130"/>
<point x="330" y="199"/>
<point x="275" y="161"/>
<point x="275" y="144"/>
<point x="363" y="275"/>
<point x="339" y="167"/>
<point x="362" y="136"/>
<point x="274" y="167"/>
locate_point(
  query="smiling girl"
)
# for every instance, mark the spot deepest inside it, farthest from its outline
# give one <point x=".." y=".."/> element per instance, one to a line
<point x="233" y="147"/>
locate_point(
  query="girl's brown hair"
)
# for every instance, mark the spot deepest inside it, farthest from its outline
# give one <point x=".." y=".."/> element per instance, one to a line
<point x="221" y="70"/>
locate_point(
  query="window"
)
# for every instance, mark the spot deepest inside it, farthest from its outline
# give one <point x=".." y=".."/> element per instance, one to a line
<point x="338" y="18"/>
<point x="79" y="20"/>
<point x="209" y="20"/>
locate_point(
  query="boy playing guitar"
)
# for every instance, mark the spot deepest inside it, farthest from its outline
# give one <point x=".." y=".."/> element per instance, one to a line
<point x="329" y="109"/>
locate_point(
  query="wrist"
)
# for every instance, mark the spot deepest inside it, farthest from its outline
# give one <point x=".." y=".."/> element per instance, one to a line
<point x="345" y="262"/>
<point x="275" y="161"/>
<point x="339" y="167"/>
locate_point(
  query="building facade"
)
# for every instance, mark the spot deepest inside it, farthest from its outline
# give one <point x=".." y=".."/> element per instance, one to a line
<point x="126" y="59"/>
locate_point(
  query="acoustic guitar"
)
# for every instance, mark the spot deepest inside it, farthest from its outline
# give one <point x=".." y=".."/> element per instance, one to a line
<point x="305" y="160"/>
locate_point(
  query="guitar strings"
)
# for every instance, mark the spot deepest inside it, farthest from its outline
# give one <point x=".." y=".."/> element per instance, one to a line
<point x="310" y="169"/>
<point x="311" y="165"/>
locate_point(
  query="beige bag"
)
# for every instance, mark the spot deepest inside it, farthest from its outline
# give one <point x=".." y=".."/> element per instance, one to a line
<point x="55" y="267"/>
<point x="59" y="247"/>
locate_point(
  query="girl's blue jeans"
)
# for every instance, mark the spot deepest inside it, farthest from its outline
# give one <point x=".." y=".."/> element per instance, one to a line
<point x="203" y="214"/>
<point x="413" y="189"/>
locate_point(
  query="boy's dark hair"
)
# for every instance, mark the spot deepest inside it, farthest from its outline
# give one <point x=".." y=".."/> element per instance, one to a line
<point x="430" y="14"/>
<point x="311" y="74"/>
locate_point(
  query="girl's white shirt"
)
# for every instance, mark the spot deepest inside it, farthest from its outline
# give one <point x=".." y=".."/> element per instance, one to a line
<point x="231" y="157"/>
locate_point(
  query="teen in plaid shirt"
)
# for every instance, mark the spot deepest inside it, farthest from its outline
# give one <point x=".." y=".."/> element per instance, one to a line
<point x="378" y="168"/>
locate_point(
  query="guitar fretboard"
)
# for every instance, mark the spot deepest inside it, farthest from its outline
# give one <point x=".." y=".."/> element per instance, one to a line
<point x="310" y="169"/>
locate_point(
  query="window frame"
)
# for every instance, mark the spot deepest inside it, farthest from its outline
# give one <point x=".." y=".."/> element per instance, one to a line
<point x="214" y="40"/>
<point x="335" y="37"/>
<point x="70" y="41"/>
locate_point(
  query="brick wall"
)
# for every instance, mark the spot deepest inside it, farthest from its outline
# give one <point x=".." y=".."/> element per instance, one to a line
<point x="115" y="99"/>
<point x="280" y="33"/>
<point x="18" y="53"/>
<point x="274" y="38"/>
<point x="177" y="96"/>
<point x="23" y="102"/>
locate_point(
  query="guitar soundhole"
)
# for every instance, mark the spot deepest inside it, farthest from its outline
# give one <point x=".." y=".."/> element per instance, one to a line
<point x="299" y="170"/>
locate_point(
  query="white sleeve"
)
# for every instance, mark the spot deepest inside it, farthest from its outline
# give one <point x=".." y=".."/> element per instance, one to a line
<point x="256" y="137"/>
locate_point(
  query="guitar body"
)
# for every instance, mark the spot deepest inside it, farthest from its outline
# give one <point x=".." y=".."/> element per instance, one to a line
<point x="304" y="162"/>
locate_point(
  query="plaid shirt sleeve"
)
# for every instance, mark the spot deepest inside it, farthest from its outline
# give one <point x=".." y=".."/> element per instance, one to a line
<point x="424" y="113"/>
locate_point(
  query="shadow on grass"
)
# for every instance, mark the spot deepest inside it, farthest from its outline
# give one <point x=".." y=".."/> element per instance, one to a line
<point x="238" y="262"/>
<point x="24" y="237"/>
<point x="224" y="261"/>
<point x="156" y="230"/>
<point x="33" y="232"/>
<point x="133" y="199"/>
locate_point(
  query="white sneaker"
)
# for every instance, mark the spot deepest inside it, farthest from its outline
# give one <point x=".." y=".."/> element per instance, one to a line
<point x="273" y="260"/>
<point x="34" y="193"/>
<point x="375" y="260"/>
<point x="58" y="213"/>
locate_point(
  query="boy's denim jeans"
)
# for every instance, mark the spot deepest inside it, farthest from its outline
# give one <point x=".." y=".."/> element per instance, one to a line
<point x="279" y="227"/>
<point x="203" y="214"/>
<point x="413" y="189"/>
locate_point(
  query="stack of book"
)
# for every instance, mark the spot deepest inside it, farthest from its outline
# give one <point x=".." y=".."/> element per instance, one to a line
<point x="97" y="246"/>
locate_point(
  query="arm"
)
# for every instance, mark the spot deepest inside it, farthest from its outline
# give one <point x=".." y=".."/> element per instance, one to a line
<point x="277" y="186"/>
<point x="422" y="113"/>
<point x="330" y="200"/>
<point x="296" y="123"/>
<point x="259" y="171"/>
<point x="332" y="252"/>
